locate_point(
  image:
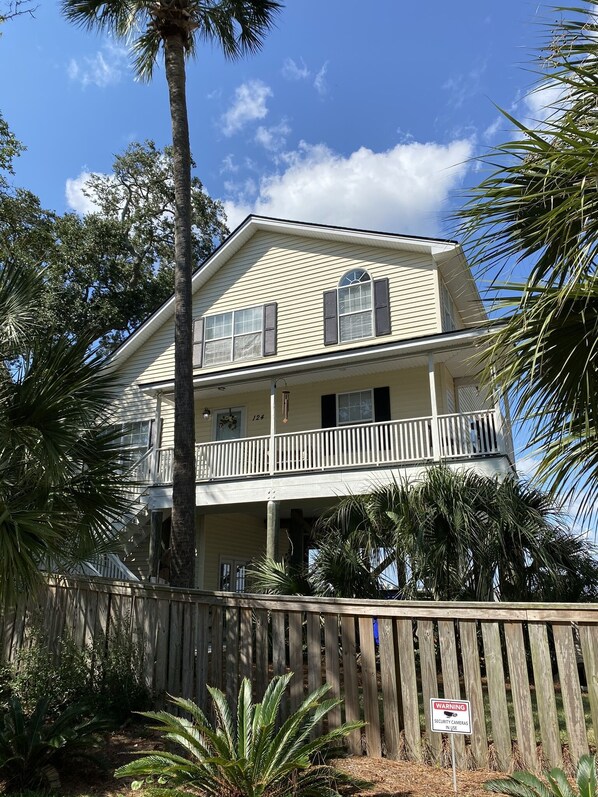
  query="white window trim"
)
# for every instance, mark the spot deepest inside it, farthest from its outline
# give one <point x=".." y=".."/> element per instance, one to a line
<point x="232" y="336"/>
<point x="349" y="393"/>
<point x="340" y="315"/>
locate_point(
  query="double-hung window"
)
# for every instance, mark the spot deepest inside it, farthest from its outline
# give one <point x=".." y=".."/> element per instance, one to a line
<point x="233" y="336"/>
<point x="355" y="316"/>
<point x="356" y="407"/>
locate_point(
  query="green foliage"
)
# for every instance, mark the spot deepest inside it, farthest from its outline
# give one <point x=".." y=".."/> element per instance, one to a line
<point x="34" y="745"/>
<point x="537" y="211"/>
<point x="524" y="784"/>
<point x="106" y="677"/>
<point x="452" y="535"/>
<point x="256" y="756"/>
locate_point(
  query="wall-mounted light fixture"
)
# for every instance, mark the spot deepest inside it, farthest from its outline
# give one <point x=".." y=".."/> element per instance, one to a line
<point x="285" y="405"/>
<point x="207" y="413"/>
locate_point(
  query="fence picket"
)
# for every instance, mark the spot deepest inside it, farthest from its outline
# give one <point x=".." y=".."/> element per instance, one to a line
<point x="545" y="697"/>
<point x="495" y="676"/>
<point x="570" y="690"/>
<point x="296" y="658"/>
<point x="520" y="692"/>
<point x="409" y="696"/>
<point x="389" y="681"/>
<point x="429" y="679"/>
<point x="261" y="653"/>
<point x="333" y="678"/>
<point x="350" y="691"/>
<point x="472" y="677"/>
<point x="370" y="687"/>
<point x="588" y="635"/>
<point x="450" y="677"/>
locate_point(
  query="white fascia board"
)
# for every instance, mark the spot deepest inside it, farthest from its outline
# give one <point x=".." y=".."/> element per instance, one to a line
<point x="437" y="343"/>
<point x="251" y="225"/>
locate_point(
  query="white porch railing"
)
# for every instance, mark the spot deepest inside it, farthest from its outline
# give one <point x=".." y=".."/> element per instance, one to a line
<point x="467" y="435"/>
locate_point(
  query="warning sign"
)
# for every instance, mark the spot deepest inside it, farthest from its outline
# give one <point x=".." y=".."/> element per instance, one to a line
<point x="450" y="716"/>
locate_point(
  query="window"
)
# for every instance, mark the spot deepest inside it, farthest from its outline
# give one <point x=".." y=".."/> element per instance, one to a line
<point x="358" y="308"/>
<point x="355" y="407"/>
<point x="232" y="575"/>
<point x="447" y="308"/>
<point x="135" y="435"/>
<point x="355" y="306"/>
<point x="235" y="336"/>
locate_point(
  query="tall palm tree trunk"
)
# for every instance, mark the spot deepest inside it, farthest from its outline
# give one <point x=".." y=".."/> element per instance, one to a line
<point x="183" y="482"/>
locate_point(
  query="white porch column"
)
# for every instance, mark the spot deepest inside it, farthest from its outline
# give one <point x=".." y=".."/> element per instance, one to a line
<point x="434" y="407"/>
<point x="272" y="447"/>
<point x="272" y="529"/>
<point x="200" y="550"/>
<point x="155" y="457"/>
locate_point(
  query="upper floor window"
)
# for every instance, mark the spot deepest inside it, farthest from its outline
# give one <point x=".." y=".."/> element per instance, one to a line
<point x="355" y="306"/>
<point x="356" y="309"/>
<point x="235" y="336"/>
<point x="447" y="309"/>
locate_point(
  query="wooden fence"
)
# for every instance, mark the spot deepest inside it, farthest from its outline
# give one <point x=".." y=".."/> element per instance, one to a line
<point x="518" y="664"/>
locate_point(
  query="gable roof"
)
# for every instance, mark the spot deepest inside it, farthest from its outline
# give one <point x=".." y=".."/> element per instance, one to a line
<point x="443" y="250"/>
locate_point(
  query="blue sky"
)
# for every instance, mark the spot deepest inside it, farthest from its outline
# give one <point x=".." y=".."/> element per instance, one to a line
<point x="346" y="118"/>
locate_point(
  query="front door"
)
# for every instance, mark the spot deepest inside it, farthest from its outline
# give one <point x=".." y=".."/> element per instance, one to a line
<point x="229" y="424"/>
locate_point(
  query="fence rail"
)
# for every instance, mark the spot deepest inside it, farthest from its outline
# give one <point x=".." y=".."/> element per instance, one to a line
<point x="518" y="664"/>
<point x="465" y="435"/>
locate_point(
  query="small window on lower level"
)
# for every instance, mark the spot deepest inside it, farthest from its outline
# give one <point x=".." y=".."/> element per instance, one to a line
<point x="356" y="407"/>
<point x="232" y="575"/>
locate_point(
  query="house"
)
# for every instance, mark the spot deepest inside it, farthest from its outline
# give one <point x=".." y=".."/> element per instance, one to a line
<point x="326" y="359"/>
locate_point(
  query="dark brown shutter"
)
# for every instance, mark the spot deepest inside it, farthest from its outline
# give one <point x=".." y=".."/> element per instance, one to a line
<point x="381" y="404"/>
<point x="328" y="410"/>
<point x="198" y="343"/>
<point x="381" y="307"/>
<point x="270" y="312"/>
<point x="330" y="318"/>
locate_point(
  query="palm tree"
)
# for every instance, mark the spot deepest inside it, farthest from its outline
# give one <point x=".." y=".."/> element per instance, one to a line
<point x="238" y="27"/>
<point x="453" y="535"/>
<point x="62" y="487"/>
<point x="537" y="211"/>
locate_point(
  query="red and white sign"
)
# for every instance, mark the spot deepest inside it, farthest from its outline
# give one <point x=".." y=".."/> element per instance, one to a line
<point x="450" y="716"/>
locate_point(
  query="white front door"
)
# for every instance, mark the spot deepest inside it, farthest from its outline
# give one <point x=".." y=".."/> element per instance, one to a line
<point x="229" y="423"/>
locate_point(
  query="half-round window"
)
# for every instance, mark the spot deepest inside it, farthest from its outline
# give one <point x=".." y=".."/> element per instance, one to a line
<point x="355" y="318"/>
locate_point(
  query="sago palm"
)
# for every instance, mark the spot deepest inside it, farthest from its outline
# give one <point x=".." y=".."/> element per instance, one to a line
<point x="258" y="755"/>
<point x="176" y="27"/>
<point x="537" y="212"/>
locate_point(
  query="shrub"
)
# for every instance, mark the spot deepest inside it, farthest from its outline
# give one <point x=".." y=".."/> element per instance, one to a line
<point x="254" y="757"/>
<point x="32" y="746"/>
<point x="524" y="784"/>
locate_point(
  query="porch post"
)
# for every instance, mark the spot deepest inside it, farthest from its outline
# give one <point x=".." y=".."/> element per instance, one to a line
<point x="200" y="550"/>
<point x="155" y="542"/>
<point x="272" y="529"/>
<point x="272" y="447"/>
<point x="155" y="463"/>
<point x="434" y="407"/>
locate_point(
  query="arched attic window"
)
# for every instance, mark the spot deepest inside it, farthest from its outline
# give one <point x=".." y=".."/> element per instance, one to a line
<point x="355" y="306"/>
<point x="357" y="309"/>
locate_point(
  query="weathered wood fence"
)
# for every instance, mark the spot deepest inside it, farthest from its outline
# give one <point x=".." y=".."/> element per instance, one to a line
<point x="518" y="664"/>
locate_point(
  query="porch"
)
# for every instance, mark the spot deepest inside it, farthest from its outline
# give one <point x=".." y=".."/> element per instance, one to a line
<point x="454" y="436"/>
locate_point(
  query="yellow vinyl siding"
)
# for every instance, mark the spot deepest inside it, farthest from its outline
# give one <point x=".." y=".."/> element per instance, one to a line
<point x="234" y="536"/>
<point x="295" y="272"/>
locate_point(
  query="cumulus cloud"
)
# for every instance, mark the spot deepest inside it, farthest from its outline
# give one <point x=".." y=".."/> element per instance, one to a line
<point x="273" y="138"/>
<point x="105" y="68"/>
<point x="76" y="198"/>
<point x="249" y="105"/>
<point x="291" y="70"/>
<point x="403" y="189"/>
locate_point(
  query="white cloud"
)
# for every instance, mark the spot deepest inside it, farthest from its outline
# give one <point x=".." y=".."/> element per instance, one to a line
<point x="249" y="104"/>
<point x="104" y="68"/>
<point x="75" y="196"/>
<point x="320" y="84"/>
<point x="291" y="70"/>
<point x="402" y="190"/>
<point x="543" y="101"/>
<point x="273" y="138"/>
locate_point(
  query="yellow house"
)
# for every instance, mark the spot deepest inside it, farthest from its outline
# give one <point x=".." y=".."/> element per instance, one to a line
<point x="326" y="360"/>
